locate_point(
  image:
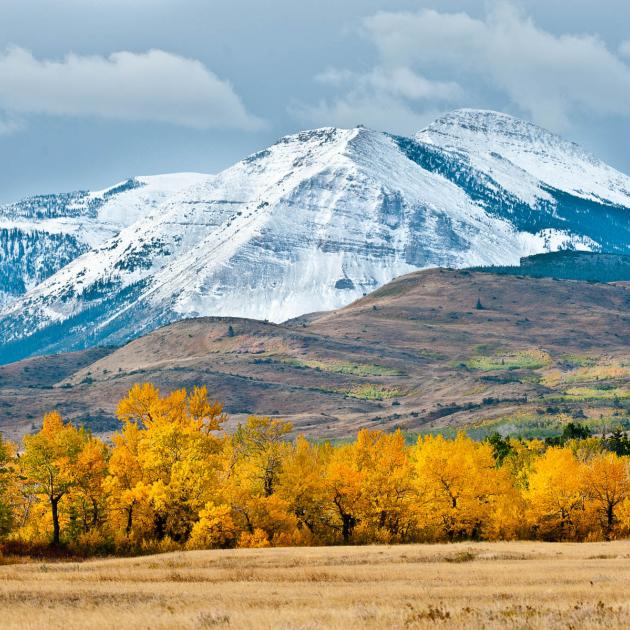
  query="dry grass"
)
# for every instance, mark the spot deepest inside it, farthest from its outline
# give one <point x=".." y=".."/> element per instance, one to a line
<point x="507" y="585"/>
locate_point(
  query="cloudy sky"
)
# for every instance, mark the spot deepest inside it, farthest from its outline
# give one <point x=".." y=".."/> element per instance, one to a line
<point x="95" y="91"/>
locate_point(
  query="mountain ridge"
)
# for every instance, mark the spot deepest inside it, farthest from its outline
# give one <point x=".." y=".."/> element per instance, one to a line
<point x="313" y="222"/>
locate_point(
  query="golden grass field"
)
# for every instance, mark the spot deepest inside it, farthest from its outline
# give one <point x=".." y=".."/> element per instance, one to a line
<point x="486" y="585"/>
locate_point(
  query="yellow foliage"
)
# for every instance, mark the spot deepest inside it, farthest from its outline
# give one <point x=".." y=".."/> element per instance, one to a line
<point x="607" y="484"/>
<point x="214" y="529"/>
<point x="555" y="495"/>
<point x="50" y="463"/>
<point x="458" y="486"/>
<point x="171" y="480"/>
<point x="254" y="540"/>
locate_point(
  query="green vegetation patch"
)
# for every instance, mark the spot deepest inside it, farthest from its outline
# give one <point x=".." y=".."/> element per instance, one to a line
<point x="579" y="360"/>
<point x="373" y="392"/>
<point x="595" y="393"/>
<point x="526" y="426"/>
<point x="612" y="371"/>
<point x="525" y="359"/>
<point x="431" y="354"/>
<point x="340" y="367"/>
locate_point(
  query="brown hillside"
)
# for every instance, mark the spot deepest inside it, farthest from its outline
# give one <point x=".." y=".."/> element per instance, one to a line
<point x="432" y="349"/>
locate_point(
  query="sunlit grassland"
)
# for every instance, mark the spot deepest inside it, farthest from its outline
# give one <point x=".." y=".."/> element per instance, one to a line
<point x="594" y="393"/>
<point x="485" y="585"/>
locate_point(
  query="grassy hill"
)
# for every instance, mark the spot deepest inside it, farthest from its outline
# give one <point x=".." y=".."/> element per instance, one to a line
<point x="432" y="351"/>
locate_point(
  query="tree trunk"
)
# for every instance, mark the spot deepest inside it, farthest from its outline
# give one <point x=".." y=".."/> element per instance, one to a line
<point x="347" y="525"/>
<point x="159" y="523"/>
<point x="129" y="520"/>
<point x="54" y="505"/>
<point x="610" y="519"/>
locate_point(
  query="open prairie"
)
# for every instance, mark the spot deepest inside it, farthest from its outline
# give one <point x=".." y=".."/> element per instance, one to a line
<point x="485" y="585"/>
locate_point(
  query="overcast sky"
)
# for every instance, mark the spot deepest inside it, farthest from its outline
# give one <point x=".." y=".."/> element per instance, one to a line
<point x="95" y="91"/>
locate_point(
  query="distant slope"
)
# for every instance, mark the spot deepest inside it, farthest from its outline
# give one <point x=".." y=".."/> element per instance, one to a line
<point x="569" y="265"/>
<point x="432" y="349"/>
<point x="323" y="217"/>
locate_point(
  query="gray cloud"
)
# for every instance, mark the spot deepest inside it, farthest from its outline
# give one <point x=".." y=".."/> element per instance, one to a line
<point x="152" y="86"/>
<point x="10" y="124"/>
<point x="382" y="98"/>
<point x="549" y="78"/>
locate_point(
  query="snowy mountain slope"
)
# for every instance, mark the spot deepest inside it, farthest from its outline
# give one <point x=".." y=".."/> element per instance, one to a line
<point x="490" y="138"/>
<point x="40" y="235"/>
<point x="309" y="224"/>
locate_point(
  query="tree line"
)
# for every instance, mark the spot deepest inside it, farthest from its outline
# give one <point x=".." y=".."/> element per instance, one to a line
<point x="171" y="478"/>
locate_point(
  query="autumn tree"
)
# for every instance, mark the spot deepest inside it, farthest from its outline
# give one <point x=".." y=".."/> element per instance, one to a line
<point x="344" y="487"/>
<point x="302" y="485"/>
<point x="125" y="487"/>
<point x="254" y="459"/>
<point x="555" y="495"/>
<point x="607" y="484"/>
<point x="49" y="463"/>
<point x="215" y="528"/>
<point x="7" y="478"/>
<point x="259" y="446"/>
<point x="174" y="440"/>
<point x="386" y="484"/>
<point x="458" y="485"/>
<point x="89" y="495"/>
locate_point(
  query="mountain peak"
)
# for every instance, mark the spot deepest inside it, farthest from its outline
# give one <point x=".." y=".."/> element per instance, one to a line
<point x="557" y="163"/>
<point x="467" y="123"/>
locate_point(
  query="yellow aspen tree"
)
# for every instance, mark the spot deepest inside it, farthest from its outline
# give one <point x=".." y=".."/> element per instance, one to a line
<point x="124" y="485"/>
<point x="458" y="484"/>
<point x="301" y="484"/>
<point x="607" y="484"/>
<point x="140" y="404"/>
<point x="215" y="528"/>
<point x="344" y="487"/>
<point x="259" y="446"/>
<point x="92" y="470"/>
<point x="254" y="461"/>
<point x="49" y="463"/>
<point x="178" y="453"/>
<point x="386" y="484"/>
<point x="555" y="495"/>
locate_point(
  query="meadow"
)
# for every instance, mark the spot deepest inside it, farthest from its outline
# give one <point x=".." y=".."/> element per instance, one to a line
<point x="472" y="585"/>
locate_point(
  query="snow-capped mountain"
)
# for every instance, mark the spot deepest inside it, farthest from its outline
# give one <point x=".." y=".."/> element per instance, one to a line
<point x="492" y="138"/>
<point x="322" y="217"/>
<point x="40" y="235"/>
